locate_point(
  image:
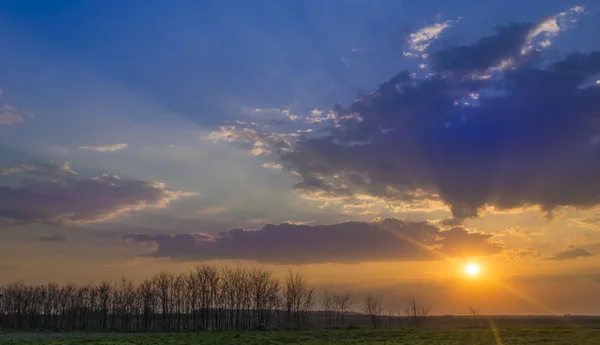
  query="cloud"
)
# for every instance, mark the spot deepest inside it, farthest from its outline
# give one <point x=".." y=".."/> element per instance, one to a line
<point x="514" y="45"/>
<point x="271" y="165"/>
<point x="500" y="50"/>
<point x="52" y="169"/>
<point x="81" y="201"/>
<point x="519" y="139"/>
<point x="571" y="253"/>
<point x="567" y="277"/>
<point x="387" y="240"/>
<point x="105" y="148"/>
<point x="593" y="222"/>
<point x="212" y="210"/>
<point x="259" y="143"/>
<point x="10" y="115"/>
<point x="53" y="238"/>
<point x="420" y="41"/>
<point x="519" y="254"/>
<point x="550" y="27"/>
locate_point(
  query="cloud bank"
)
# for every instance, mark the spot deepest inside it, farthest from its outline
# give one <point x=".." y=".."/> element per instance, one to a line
<point x="71" y="200"/>
<point x="387" y="240"/>
<point x="50" y="169"/>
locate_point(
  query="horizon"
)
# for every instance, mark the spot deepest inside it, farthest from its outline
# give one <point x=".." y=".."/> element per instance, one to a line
<point x="393" y="148"/>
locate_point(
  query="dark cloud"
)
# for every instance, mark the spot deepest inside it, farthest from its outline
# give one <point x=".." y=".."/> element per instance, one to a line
<point x="477" y="132"/>
<point x="387" y="240"/>
<point x="53" y="238"/>
<point x="78" y="201"/>
<point x="505" y="45"/>
<point x="571" y="253"/>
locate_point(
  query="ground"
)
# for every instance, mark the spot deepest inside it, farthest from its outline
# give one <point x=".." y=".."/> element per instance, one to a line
<point x="545" y="336"/>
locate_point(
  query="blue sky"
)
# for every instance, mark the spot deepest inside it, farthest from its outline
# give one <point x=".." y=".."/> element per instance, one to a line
<point x="191" y="102"/>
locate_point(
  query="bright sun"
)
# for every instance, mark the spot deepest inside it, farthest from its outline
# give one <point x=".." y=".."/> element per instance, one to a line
<point x="471" y="269"/>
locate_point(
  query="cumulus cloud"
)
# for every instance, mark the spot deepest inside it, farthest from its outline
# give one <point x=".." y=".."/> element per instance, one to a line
<point x="51" y="169"/>
<point x="79" y="200"/>
<point x="105" y="148"/>
<point x="53" y="238"/>
<point x="570" y="253"/>
<point x="386" y="240"/>
<point x="518" y="139"/>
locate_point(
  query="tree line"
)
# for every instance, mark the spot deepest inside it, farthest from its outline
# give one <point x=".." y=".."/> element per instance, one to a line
<point x="207" y="298"/>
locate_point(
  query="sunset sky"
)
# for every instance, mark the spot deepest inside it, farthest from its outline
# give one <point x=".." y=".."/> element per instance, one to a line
<point x="373" y="146"/>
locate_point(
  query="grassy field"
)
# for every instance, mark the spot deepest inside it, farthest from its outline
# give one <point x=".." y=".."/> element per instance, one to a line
<point x="545" y="336"/>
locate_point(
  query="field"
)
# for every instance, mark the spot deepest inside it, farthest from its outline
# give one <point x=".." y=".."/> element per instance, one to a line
<point x="545" y="336"/>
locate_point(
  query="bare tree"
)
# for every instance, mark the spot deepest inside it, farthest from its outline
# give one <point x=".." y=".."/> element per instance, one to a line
<point x="328" y="306"/>
<point x="373" y="308"/>
<point x="343" y="302"/>
<point x="417" y="312"/>
<point x="298" y="299"/>
<point x="209" y="298"/>
<point x="475" y="315"/>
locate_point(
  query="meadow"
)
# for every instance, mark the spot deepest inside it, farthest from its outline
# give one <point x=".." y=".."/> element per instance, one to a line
<point x="546" y="336"/>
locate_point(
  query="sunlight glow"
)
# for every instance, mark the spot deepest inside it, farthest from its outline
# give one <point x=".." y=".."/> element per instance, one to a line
<point x="471" y="269"/>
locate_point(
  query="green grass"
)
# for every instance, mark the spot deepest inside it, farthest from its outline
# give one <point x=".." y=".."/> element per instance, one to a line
<point x="540" y="336"/>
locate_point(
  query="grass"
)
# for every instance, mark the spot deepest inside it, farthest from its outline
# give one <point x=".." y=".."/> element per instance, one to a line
<point x="545" y="336"/>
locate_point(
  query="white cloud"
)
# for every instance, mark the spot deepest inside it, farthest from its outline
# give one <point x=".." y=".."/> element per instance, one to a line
<point x="271" y="165"/>
<point x="577" y="9"/>
<point x="420" y="40"/>
<point x="550" y="28"/>
<point x="318" y="116"/>
<point x="105" y="148"/>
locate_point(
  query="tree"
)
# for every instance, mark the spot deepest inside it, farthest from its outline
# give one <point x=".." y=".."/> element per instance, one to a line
<point x="328" y="306"/>
<point x="417" y="312"/>
<point x="373" y="308"/>
<point x="209" y="298"/>
<point x="475" y="314"/>
<point x="298" y="299"/>
<point x="343" y="302"/>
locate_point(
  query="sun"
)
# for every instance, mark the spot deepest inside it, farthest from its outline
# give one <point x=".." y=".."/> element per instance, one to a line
<point x="471" y="269"/>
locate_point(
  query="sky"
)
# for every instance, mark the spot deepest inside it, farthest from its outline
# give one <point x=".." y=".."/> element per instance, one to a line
<point x="373" y="146"/>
